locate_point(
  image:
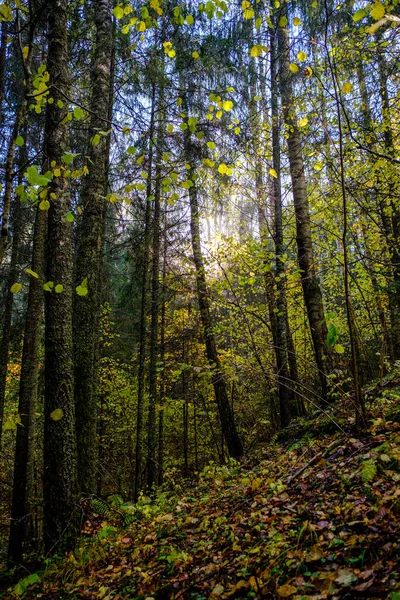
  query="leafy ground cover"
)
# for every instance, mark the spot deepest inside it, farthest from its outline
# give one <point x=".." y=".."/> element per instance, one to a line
<point x="313" y="517"/>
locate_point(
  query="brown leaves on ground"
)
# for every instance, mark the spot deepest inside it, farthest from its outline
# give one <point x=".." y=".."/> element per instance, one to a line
<point x="282" y="525"/>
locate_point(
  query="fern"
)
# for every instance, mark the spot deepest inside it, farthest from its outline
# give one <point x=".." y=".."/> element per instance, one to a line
<point x="101" y="508"/>
<point x="368" y="471"/>
<point x="115" y="501"/>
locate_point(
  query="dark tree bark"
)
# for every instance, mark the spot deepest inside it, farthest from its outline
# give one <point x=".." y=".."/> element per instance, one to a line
<point x="18" y="122"/>
<point x="143" y="311"/>
<point x="3" y="58"/>
<point x="311" y="288"/>
<point x="155" y="305"/>
<point x="390" y="211"/>
<point x="8" y="309"/>
<point x="59" y="483"/>
<point x="89" y="253"/>
<point x="27" y="394"/>
<point x="160" y="456"/>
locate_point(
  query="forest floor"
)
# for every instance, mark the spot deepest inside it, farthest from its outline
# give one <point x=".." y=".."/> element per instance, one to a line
<point x="316" y="515"/>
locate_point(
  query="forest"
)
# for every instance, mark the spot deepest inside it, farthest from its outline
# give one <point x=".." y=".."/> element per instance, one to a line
<point x="200" y="299"/>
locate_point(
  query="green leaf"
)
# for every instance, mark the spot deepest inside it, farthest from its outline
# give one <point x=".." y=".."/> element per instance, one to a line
<point x="211" y="145"/>
<point x="48" y="286"/>
<point x="34" y="178"/>
<point x="20" y="588"/>
<point x="19" y="141"/>
<point x="44" y="205"/>
<point x="78" y="113"/>
<point x="82" y="289"/>
<point x="360" y="14"/>
<point x="95" y="141"/>
<point x="30" y="272"/>
<point x="70" y="217"/>
<point x="338" y="348"/>
<point x="332" y="336"/>
<point x="14" y="289"/>
<point x="67" y="158"/>
<point x="59" y="288"/>
<point x="32" y="578"/>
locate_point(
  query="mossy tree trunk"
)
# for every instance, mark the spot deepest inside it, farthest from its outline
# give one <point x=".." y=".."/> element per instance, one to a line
<point x="59" y="481"/>
<point x="89" y="252"/>
<point x="27" y="394"/>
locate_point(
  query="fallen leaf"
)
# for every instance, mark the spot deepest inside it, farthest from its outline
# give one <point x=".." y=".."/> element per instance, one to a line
<point x="284" y="591"/>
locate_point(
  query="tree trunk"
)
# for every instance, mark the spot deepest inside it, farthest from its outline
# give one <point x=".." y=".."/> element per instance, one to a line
<point x="143" y="311"/>
<point x="160" y="457"/>
<point x="311" y="288"/>
<point x="155" y="302"/>
<point x="226" y="416"/>
<point x="390" y="210"/>
<point x="89" y="254"/>
<point x="281" y="349"/>
<point x="27" y="394"/>
<point x="8" y="308"/>
<point x="3" y="59"/>
<point x="59" y="484"/>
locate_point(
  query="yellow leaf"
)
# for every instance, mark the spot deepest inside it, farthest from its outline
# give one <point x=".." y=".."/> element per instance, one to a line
<point x="293" y="68"/>
<point x="377" y="11"/>
<point x="273" y="173"/>
<point x="318" y="166"/>
<point x="195" y="54"/>
<point x="296" y="21"/>
<point x="32" y="273"/>
<point x="248" y="13"/>
<point x="347" y="87"/>
<point x="286" y="590"/>
<point x="222" y="168"/>
<point x="308" y="72"/>
<point x="256" y="51"/>
<point x="303" y="122"/>
<point x="228" y="105"/>
<point x="301" y="56"/>
<point x="56" y="414"/>
<point x="15" y="288"/>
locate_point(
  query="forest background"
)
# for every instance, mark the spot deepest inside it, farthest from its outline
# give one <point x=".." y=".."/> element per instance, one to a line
<point x="200" y="238"/>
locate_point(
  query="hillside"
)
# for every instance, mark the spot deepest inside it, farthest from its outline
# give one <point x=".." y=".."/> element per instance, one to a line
<point x="314" y="516"/>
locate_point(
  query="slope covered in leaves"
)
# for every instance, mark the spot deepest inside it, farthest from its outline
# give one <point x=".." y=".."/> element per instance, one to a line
<point x="312" y="517"/>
